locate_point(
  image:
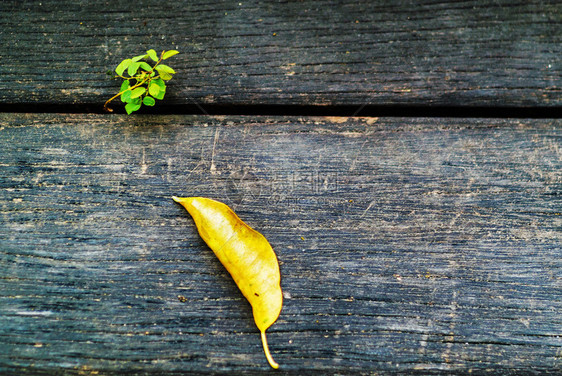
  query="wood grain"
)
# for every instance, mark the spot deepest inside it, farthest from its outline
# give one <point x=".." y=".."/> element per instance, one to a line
<point x="410" y="246"/>
<point x="317" y="52"/>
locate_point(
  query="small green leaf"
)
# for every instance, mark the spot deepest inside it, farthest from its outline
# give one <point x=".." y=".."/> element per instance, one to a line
<point x="132" y="69"/>
<point x="160" y="83"/>
<point x="145" y="66"/>
<point x="148" y="101"/>
<point x="126" y="96"/>
<point x="162" y="86"/>
<point x="154" y="89"/>
<point x="122" y="66"/>
<point x="125" y="85"/>
<point x="164" y="68"/>
<point x="137" y="58"/>
<point x="160" y="95"/>
<point x="131" y="107"/>
<point x="165" y="75"/>
<point x="138" y="92"/>
<point x="169" y="54"/>
<point x="152" y="54"/>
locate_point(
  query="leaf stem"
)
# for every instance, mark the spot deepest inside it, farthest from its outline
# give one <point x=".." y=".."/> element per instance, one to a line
<point x="270" y="360"/>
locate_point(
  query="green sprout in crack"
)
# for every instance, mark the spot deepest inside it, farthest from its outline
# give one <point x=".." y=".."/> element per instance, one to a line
<point x="144" y="83"/>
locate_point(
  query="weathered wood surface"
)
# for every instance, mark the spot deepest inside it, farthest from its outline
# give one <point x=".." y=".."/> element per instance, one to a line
<point x="317" y="52"/>
<point x="406" y="245"/>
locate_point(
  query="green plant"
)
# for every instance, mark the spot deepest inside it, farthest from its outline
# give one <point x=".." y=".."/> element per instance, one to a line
<point x="144" y="83"/>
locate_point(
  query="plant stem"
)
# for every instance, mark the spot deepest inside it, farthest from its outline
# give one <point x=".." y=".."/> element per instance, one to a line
<point x="120" y="93"/>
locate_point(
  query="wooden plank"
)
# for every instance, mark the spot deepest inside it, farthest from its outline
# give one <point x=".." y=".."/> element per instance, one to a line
<point x="318" y="52"/>
<point x="406" y="245"/>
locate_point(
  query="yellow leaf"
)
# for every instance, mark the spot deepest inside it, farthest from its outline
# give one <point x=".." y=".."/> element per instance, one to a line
<point x="246" y="254"/>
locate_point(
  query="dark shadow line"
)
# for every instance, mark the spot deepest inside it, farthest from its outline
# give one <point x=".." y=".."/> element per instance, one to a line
<point x="301" y="110"/>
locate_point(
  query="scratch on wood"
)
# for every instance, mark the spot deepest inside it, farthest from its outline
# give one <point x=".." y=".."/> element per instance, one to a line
<point x="144" y="166"/>
<point x="354" y="162"/>
<point x="368" y="207"/>
<point x="213" y="168"/>
<point x="450" y="338"/>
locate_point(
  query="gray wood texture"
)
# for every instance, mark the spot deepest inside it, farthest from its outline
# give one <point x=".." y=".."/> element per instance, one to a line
<point x="408" y="246"/>
<point x="317" y="52"/>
